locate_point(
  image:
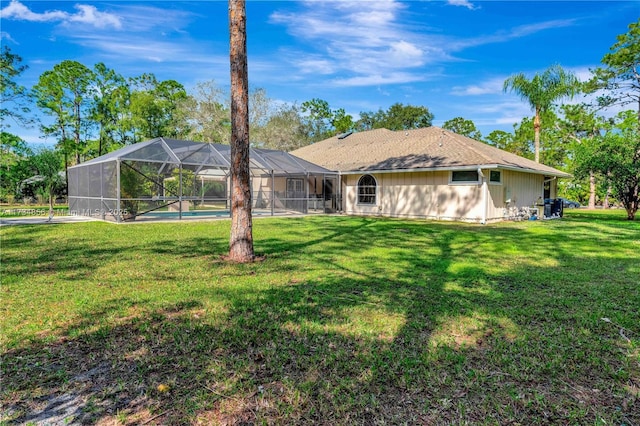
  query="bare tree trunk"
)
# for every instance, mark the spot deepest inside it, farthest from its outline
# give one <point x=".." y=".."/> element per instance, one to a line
<point x="100" y="141"/>
<point x="66" y="170"/>
<point x="77" y="132"/>
<point x="66" y="159"/>
<point x="536" y="135"/>
<point x="51" y="195"/>
<point x="605" y="204"/>
<point x="241" y="240"/>
<point x="592" y="190"/>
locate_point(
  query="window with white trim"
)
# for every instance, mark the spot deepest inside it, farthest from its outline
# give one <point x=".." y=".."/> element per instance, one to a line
<point x="295" y="185"/>
<point x="367" y="190"/>
<point x="465" y="176"/>
<point x="495" y="176"/>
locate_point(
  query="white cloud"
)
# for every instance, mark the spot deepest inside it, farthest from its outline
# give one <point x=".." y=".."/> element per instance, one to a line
<point x="143" y="18"/>
<point x="135" y="48"/>
<point x="367" y="41"/>
<point x="583" y="73"/>
<point x="513" y="33"/>
<point x="491" y="86"/>
<point x="383" y="92"/>
<point x="315" y="65"/>
<point x="404" y="52"/>
<point x="86" y="14"/>
<point x="463" y="3"/>
<point x="378" y="42"/>
<point x="524" y="30"/>
<point x="90" y="15"/>
<point x="6" y="36"/>
<point x="379" y="79"/>
<point x="18" y="11"/>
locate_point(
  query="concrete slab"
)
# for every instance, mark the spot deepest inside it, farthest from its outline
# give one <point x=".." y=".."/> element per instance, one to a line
<point x="43" y="220"/>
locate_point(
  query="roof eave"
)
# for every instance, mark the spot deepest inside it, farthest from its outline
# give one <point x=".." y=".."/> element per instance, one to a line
<point x="556" y="173"/>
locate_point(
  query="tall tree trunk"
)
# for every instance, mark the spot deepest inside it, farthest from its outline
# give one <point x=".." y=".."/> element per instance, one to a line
<point x="605" y="203"/>
<point x="66" y="160"/>
<point x="100" y="141"/>
<point x="241" y="240"/>
<point x="66" y="172"/>
<point x="592" y="190"/>
<point x="77" y="132"/>
<point x="51" y="195"/>
<point x="536" y="135"/>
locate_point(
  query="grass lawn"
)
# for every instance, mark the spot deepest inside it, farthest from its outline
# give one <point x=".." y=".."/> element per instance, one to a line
<point x="346" y="320"/>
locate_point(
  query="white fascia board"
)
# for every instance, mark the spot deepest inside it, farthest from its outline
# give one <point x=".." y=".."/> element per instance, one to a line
<point x="458" y="168"/>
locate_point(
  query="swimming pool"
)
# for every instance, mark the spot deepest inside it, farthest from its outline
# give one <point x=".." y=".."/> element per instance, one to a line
<point x="191" y="213"/>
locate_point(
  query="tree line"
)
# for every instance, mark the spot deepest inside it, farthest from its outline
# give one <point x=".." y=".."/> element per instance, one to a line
<point x="96" y="110"/>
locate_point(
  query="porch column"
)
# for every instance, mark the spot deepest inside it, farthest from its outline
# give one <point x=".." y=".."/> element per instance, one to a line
<point x="324" y="196"/>
<point x="306" y="201"/>
<point x="273" y="193"/>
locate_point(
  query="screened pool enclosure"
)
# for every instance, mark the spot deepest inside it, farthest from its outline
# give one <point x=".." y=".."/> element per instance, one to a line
<point x="168" y="178"/>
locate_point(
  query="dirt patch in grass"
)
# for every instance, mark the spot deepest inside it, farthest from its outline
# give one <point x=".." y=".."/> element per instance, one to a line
<point x="144" y="372"/>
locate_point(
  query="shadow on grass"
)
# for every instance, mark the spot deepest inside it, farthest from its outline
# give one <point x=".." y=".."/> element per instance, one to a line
<point x="616" y="215"/>
<point x="376" y="321"/>
<point x="78" y="256"/>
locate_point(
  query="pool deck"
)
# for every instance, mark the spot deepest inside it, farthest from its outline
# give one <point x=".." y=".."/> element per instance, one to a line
<point x="44" y="220"/>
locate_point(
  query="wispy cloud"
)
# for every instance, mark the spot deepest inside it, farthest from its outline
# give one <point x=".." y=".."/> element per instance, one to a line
<point x="86" y="14"/>
<point x="379" y="79"/>
<point x="492" y="86"/>
<point x="525" y="30"/>
<point x="6" y="36"/>
<point x="138" y="48"/>
<point x="511" y="34"/>
<point x="463" y="3"/>
<point x="143" y="18"/>
<point x="358" y="43"/>
<point x="377" y="42"/>
<point x="144" y="33"/>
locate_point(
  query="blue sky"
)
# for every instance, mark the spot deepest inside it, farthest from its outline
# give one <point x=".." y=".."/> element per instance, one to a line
<point x="450" y="56"/>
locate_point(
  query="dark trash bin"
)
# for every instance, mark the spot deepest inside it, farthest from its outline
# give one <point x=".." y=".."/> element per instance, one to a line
<point x="557" y="207"/>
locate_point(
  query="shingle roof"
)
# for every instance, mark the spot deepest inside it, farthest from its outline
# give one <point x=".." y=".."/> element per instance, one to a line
<point x="426" y="148"/>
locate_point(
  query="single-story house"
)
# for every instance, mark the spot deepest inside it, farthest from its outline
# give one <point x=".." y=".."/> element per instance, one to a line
<point x="431" y="173"/>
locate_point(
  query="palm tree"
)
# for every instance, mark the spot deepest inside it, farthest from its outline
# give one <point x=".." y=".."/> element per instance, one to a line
<point x="541" y="92"/>
<point x="47" y="164"/>
<point x="241" y="239"/>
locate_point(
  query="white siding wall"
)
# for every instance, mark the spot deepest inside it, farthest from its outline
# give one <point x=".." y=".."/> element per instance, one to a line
<point x="430" y="195"/>
<point x="516" y="190"/>
<point x="417" y="194"/>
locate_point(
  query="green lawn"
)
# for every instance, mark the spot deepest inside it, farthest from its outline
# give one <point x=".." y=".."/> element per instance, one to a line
<point x="345" y="320"/>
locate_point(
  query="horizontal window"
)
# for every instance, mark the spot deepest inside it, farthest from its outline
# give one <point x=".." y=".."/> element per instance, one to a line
<point x="464" y="176"/>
